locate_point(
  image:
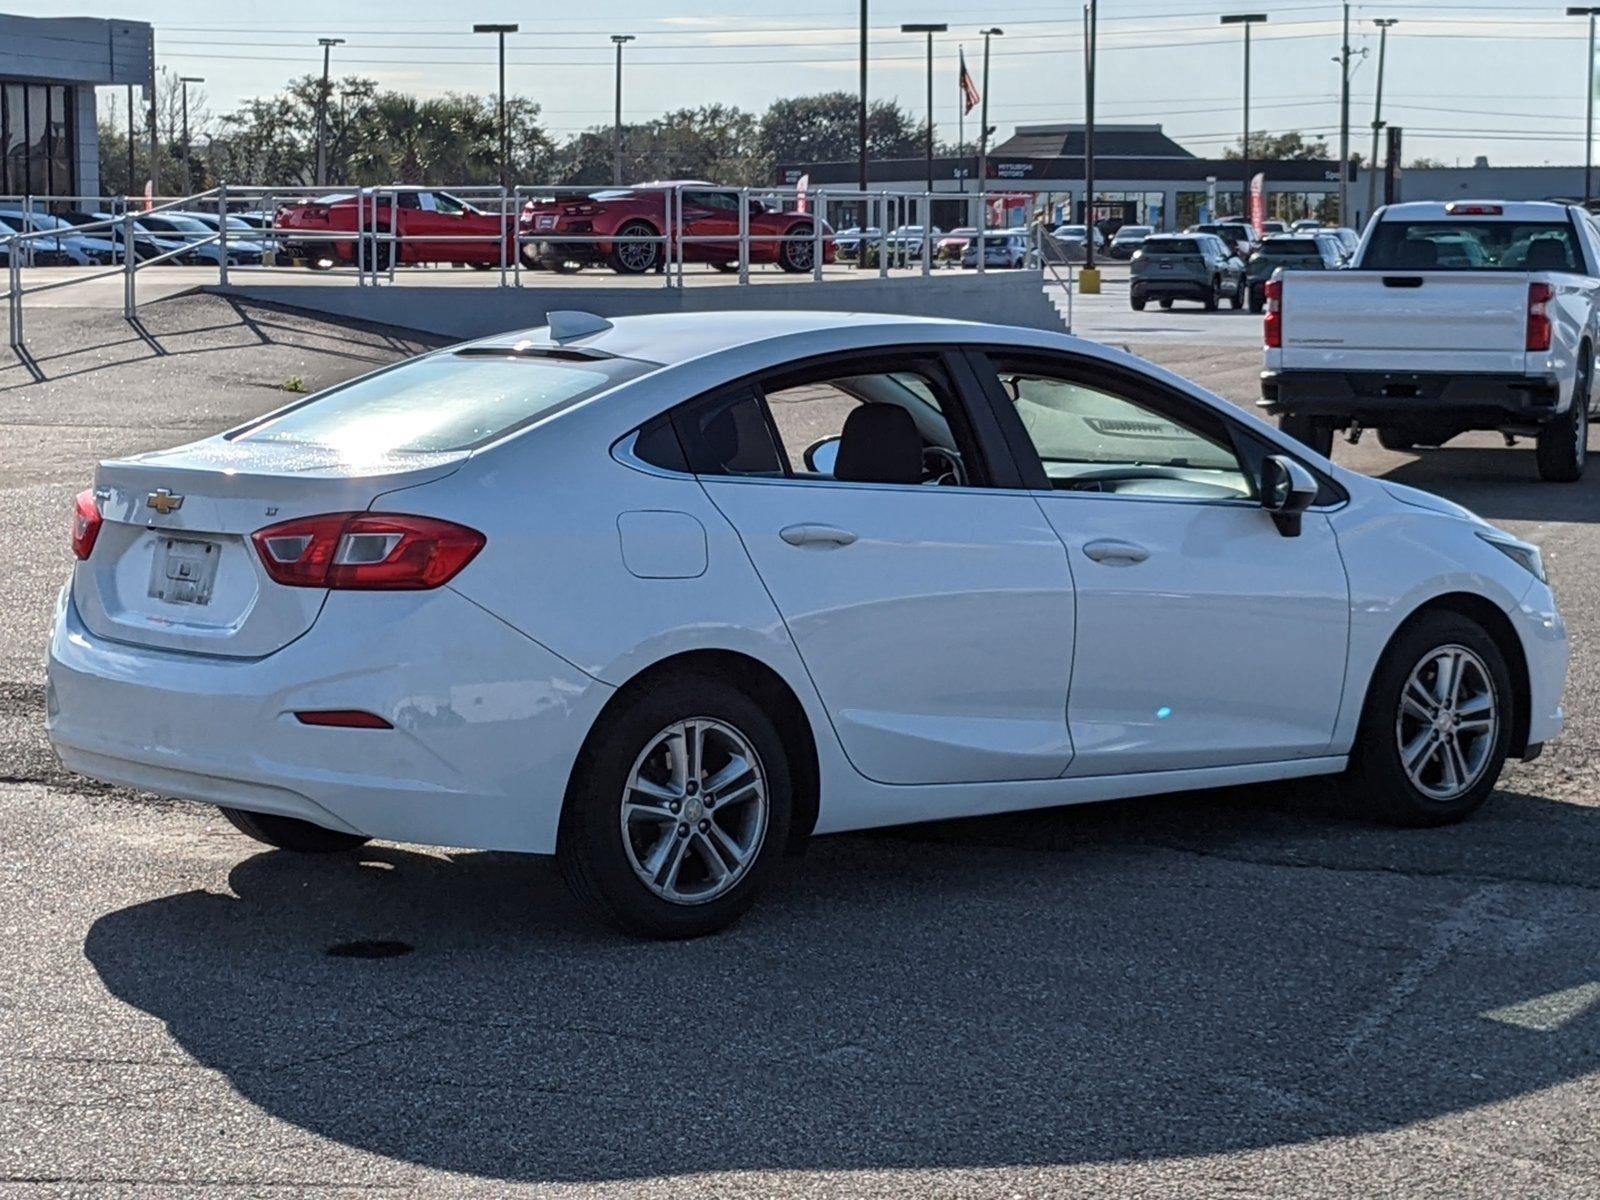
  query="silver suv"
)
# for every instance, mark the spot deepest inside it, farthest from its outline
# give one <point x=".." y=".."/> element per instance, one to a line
<point x="1186" y="266"/>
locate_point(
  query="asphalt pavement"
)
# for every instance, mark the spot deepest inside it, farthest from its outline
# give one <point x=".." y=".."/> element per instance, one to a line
<point x="1235" y="993"/>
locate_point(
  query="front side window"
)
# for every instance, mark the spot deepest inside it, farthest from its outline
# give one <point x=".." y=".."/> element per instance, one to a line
<point x="1096" y="438"/>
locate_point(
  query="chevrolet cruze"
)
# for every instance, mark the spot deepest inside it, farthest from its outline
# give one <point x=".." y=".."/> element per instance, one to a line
<point x="663" y="596"/>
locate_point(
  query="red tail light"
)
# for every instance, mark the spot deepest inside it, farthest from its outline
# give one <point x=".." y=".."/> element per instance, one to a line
<point x="1539" y="297"/>
<point x="1272" y="327"/>
<point x="85" y="524"/>
<point x="342" y="718"/>
<point x="370" y="551"/>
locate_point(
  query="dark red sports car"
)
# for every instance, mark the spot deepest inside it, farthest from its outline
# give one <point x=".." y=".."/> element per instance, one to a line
<point x="608" y="221"/>
<point x="431" y="223"/>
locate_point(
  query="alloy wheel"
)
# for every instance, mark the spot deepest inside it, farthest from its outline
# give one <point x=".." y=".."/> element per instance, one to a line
<point x="694" y="810"/>
<point x="1448" y="722"/>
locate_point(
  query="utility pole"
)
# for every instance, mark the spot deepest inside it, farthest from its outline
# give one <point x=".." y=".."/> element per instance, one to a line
<point x="505" y="146"/>
<point x="188" y="170"/>
<point x="1383" y="24"/>
<point x="1344" y="121"/>
<point x="861" y="114"/>
<point x="1588" y="88"/>
<point x="619" y="40"/>
<point x="983" y="128"/>
<point x="1247" y="20"/>
<point x="327" y="44"/>
<point x="1090" y="20"/>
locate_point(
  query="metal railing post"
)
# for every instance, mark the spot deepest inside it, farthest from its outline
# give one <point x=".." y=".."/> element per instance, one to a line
<point x="883" y="235"/>
<point x="927" y="233"/>
<point x="818" y="247"/>
<point x="516" y="255"/>
<point x="27" y="226"/>
<point x="744" y="235"/>
<point x="396" y="239"/>
<point x="983" y="221"/>
<point x="222" y="235"/>
<point x="14" y="296"/>
<point x="130" y="266"/>
<point x="502" y="235"/>
<point x="361" y="238"/>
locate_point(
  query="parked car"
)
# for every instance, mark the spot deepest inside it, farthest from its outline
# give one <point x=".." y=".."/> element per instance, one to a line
<point x="1128" y="239"/>
<point x="1481" y="314"/>
<point x="43" y="255"/>
<point x="1241" y="238"/>
<point x="615" y="591"/>
<point x="907" y="240"/>
<point x="146" y="245"/>
<point x="240" y="231"/>
<point x="1073" y="239"/>
<point x="66" y="246"/>
<point x="1186" y="266"/>
<point x="1288" y="252"/>
<point x="641" y="215"/>
<point x="847" y="242"/>
<point x="1306" y="225"/>
<point x="197" y="234"/>
<point x="1004" y="250"/>
<point x="433" y="225"/>
<point x="949" y="248"/>
<point x="1349" y="239"/>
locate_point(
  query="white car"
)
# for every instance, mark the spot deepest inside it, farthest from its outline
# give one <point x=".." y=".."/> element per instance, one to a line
<point x="663" y="596"/>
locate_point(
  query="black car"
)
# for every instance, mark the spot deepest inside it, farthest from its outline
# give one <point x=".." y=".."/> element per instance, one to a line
<point x="1290" y="252"/>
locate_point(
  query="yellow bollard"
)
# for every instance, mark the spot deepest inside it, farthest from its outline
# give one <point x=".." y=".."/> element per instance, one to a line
<point x="1089" y="281"/>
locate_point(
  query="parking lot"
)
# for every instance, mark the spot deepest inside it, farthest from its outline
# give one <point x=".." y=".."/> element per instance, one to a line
<point x="1218" y="994"/>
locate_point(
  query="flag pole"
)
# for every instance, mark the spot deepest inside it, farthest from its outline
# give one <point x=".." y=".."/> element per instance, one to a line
<point x="961" y="106"/>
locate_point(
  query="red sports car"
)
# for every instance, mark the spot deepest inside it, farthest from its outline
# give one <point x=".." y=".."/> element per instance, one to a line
<point x="710" y="227"/>
<point x="430" y="222"/>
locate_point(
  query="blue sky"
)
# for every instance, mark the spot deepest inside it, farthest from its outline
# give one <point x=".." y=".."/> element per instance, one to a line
<point x="1463" y="78"/>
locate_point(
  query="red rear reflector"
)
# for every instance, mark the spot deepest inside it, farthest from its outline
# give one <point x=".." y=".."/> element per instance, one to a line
<point x="1539" y="297"/>
<point x="1272" y="325"/>
<point x="371" y="551"/>
<point x="1457" y="208"/>
<point x="343" y="718"/>
<point x="85" y="524"/>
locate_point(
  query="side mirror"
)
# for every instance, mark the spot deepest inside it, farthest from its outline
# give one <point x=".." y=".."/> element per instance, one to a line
<point x="1287" y="490"/>
<point x="821" y="455"/>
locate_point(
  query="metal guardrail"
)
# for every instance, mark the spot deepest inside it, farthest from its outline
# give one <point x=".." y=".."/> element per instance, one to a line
<point x="375" y="247"/>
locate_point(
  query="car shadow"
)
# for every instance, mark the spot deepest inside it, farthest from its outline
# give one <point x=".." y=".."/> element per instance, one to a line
<point x="1184" y="976"/>
<point x="1500" y="483"/>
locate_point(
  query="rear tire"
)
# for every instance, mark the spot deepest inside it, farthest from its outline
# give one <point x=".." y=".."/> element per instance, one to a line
<point x="625" y="815"/>
<point x="796" y="257"/>
<point x="1258" y="302"/>
<point x="1456" y="748"/>
<point x="1563" y="446"/>
<point x="290" y="833"/>
<point x="1213" y="300"/>
<point x="1165" y="302"/>
<point x="1237" y="299"/>
<point x="635" y="258"/>
<point x="1315" y="433"/>
<point x="1138" y="303"/>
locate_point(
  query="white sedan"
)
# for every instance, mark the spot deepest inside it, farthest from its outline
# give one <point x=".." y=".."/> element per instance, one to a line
<point x="664" y="596"/>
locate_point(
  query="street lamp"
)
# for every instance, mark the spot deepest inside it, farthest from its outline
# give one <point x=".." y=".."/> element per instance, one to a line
<point x="619" y="40"/>
<point x="1247" y="20"/>
<point x="983" y="119"/>
<point x="188" y="171"/>
<point x="327" y="44"/>
<point x="501" y="31"/>
<point x="1588" y="87"/>
<point x="861" y="113"/>
<point x="929" y="30"/>
<point x="1384" y="24"/>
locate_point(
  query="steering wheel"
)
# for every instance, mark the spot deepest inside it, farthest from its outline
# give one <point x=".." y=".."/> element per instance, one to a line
<point x="943" y="468"/>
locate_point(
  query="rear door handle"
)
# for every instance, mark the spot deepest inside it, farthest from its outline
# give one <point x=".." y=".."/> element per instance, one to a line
<point x="816" y="535"/>
<point x="1109" y="550"/>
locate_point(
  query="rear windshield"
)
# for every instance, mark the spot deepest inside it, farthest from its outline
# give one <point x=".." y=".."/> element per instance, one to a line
<point x="442" y="402"/>
<point x="1161" y="245"/>
<point x="1290" y="250"/>
<point x="1459" y="245"/>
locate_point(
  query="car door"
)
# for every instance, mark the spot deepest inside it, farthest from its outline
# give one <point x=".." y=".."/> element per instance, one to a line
<point x="710" y="225"/>
<point x="1205" y="638"/>
<point x="935" y="618"/>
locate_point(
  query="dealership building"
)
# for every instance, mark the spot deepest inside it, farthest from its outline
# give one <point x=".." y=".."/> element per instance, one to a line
<point x="1143" y="176"/>
<point x="49" y="69"/>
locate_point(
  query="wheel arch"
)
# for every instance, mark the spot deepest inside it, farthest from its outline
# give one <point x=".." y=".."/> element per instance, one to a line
<point x="763" y="685"/>
<point x="1497" y="625"/>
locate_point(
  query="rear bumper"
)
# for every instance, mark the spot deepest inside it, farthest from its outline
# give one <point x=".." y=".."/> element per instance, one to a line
<point x="1146" y="287"/>
<point x="487" y="723"/>
<point x="1486" y="400"/>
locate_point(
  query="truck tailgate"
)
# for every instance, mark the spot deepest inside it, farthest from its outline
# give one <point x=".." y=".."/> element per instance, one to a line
<point x="1405" y="320"/>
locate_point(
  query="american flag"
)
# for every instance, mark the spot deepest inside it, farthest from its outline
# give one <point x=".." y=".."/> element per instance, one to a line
<point x="969" y="90"/>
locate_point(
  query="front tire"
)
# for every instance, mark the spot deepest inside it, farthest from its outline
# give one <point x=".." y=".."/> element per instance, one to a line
<point x="1213" y="300"/>
<point x="678" y="810"/>
<point x="1315" y="433"/>
<point x="1437" y="724"/>
<point x="794" y="256"/>
<point x="1237" y="299"/>
<point x="290" y="833"/>
<point x="1563" y="445"/>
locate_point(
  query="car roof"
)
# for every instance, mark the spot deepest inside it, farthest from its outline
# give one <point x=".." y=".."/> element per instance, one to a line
<point x="1510" y="210"/>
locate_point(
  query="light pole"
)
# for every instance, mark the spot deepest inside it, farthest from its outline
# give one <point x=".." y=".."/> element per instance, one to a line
<point x="1247" y="20"/>
<point x="500" y="30"/>
<point x="983" y="124"/>
<point x="1344" y="120"/>
<point x="188" y="170"/>
<point x="1089" y="280"/>
<point x="929" y="30"/>
<point x="1384" y="24"/>
<point x="861" y="115"/>
<point x="1588" y="87"/>
<point x="327" y="44"/>
<point x="619" y="40"/>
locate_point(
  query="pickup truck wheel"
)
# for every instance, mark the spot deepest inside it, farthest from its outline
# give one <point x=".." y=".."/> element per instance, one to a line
<point x="1563" y="445"/>
<point x="1213" y="300"/>
<point x="1392" y="438"/>
<point x="1315" y="433"/>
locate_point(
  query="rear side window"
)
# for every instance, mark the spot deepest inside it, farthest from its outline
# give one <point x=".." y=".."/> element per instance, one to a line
<point x="1171" y="246"/>
<point x="442" y="402"/>
<point x="1290" y="250"/>
<point x="1453" y="244"/>
<point x="727" y="434"/>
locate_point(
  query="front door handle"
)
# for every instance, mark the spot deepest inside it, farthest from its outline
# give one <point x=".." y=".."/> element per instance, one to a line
<point x="816" y="535"/>
<point x="1109" y="550"/>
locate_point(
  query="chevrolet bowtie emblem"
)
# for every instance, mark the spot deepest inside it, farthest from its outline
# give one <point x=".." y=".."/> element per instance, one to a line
<point x="163" y="501"/>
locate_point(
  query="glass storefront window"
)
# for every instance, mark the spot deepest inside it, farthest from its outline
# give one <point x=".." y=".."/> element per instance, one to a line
<point x="36" y="139"/>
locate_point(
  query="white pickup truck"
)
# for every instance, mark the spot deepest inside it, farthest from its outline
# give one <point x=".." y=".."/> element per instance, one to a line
<point x="1453" y="316"/>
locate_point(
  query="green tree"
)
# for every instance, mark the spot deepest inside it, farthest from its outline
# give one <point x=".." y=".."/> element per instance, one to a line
<point x="1283" y="147"/>
<point x="824" y="128"/>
